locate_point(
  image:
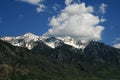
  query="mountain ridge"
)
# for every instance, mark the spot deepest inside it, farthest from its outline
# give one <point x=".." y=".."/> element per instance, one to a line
<point x="27" y="40"/>
<point x="97" y="61"/>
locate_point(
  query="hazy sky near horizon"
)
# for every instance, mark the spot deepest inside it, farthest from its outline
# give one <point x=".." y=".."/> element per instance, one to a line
<point x="84" y="19"/>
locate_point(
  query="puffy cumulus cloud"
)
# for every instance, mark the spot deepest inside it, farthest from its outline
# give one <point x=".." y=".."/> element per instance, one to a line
<point x="102" y="8"/>
<point x="40" y="6"/>
<point x="76" y="20"/>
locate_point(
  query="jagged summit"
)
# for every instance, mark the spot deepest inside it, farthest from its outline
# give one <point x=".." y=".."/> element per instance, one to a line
<point x="30" y="36"/>
<point x="28" y="40"/>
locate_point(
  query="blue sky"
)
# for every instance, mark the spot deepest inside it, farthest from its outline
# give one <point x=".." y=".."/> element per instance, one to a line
<point x="18" y="17"/>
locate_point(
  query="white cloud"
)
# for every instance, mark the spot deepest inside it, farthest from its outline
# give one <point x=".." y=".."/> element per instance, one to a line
<point x="76" y="20"/>
<point x="103" y="20"/>
<point x="34" y="2"/>
<point x="117" y="45"/>
<point x="41" y="8"/>
<point x="55" y="7"/>
<point x="68" y="2"/>
<point x="39" y="3"/>
<point x="102" y="8"/>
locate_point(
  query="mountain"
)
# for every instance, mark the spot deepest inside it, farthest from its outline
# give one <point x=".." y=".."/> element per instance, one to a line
<point x="28" y="40"/>
<point x="94" y="61"/>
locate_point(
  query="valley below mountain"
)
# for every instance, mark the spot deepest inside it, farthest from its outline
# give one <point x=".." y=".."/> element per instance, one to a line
<point x="32" y="57"/>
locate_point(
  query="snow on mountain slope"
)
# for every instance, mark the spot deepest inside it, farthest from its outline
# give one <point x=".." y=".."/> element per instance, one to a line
<point x="25" y="40"/>
<point x="28" y="40"/>
<point x="80" y="44"/>
<point x="30" y="36"/>
<point x="51" y="41"/>
<point x="27" y="37"/>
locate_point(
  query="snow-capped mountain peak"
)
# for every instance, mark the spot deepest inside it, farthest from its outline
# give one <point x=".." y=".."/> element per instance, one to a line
<point x="25" y="40"/>
<point x="30" y="36"/>
<point x="74" y="42"/>
<point x="29" y="40"/>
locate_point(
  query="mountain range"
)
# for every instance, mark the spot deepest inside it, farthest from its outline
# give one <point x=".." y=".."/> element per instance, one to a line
<point x="27" y="40"/>
<point x="32" y="57"/>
